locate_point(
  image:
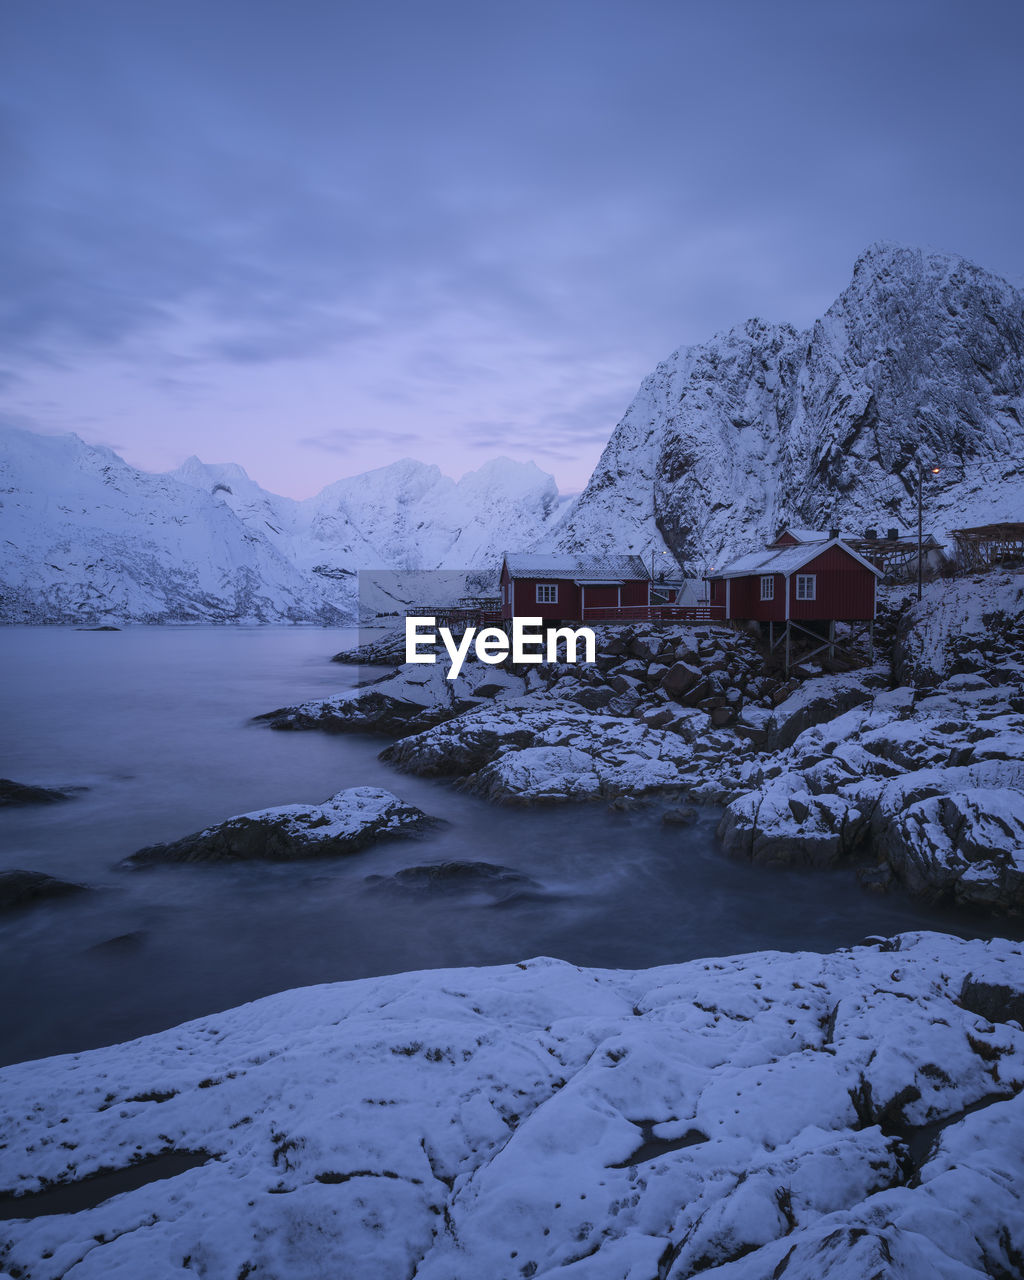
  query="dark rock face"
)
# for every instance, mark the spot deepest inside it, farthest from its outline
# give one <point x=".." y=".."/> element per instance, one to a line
<point x="388" y="651"/>
<point x="680" y="817"/>
<point x="679" y="679"/>
<point x="663" y="707"/>
<point x="19" y="793"/>
<point x="346" y="823"/>
<point x="650" y="673"/>
<point x="693" y="681"/>
<point x="996" y="1001"/>
<point x="459" y="877"/>
<point x="20" y="888"/>
<point x="923" y="783"/>
<point x="457" y="755"/>
<point x="593" y="697"/>
<point x="371" y="712"/>
<point x="407" y="700"/>
<point x="546" y="750"/>
<point x="814" y="703"/>
<point x="920" y="355"/>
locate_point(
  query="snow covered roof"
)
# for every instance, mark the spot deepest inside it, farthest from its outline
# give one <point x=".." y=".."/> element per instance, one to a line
<point x="805" y="535"/>
<point x="532" y="564"/>
<point x="785" y="559"/>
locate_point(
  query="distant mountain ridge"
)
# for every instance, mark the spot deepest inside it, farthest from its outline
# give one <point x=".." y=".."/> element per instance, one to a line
<point x="920" y="358"/>
<point x="86" y="538"/>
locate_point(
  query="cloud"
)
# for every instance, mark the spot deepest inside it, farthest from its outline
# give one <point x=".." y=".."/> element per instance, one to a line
<point x="470" y="224"/>
<point x="340" y="441"/>
<point x="20" y="421"/>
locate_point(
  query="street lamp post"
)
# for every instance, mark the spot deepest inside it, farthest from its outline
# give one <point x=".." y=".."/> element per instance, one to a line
<point x="920" y="522"/>
<point x="667" y="557"/>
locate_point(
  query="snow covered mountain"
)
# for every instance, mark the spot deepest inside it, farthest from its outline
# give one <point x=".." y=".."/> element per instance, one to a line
<point x="417" y="518"/>
<point x="920" y="359"/>
<point x="87" y="538"/>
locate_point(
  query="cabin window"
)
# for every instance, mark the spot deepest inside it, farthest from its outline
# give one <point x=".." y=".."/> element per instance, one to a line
<point x="768" y="587"/>
<point x="806" y="586"/>
<point x="547" y="593"/>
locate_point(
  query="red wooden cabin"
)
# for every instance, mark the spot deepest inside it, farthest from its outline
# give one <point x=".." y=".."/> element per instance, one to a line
<point x="823" y="580"/>
<point x="569" y="588"/>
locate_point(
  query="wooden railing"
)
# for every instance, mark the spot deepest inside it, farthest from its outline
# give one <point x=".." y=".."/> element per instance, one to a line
<point x="657" y="613"/>
<point x="458" y="618"/>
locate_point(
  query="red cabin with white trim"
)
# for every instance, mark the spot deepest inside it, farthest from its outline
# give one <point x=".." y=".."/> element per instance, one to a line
<point x="814" y="581"/>
<point x="560" y="588"/>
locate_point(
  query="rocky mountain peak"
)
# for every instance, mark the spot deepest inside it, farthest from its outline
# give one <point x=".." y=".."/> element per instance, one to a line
<point x="920" y="360"/>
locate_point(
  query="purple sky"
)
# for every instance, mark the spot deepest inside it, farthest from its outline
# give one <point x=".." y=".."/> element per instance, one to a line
<point x="316" y="237"/>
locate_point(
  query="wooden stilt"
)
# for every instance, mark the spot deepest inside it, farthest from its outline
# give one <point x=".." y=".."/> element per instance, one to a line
<point x="787" y="650"/>
<point x="832" y="638"/>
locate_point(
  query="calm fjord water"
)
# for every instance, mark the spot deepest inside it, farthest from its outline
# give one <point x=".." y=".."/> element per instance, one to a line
<point x="155" y="722"/>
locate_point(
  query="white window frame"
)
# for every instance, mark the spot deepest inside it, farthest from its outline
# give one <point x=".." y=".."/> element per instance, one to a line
<point x="767" y="586"/>
<point x="806" y="586"/>
<point x="547" y="593"/>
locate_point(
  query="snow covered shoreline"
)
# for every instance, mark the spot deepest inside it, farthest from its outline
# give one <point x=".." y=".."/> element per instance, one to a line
<point x="740" y="1117"/>
<point x="920" y="783"/>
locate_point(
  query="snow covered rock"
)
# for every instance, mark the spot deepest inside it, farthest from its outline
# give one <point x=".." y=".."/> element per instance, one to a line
<point x="387" y="650"/>
<point x="725" y="666"/>
<point x="541" y="748"/>
<point x="558" y="731"/>
<point x="970" y="627"/>
<point x="793" y="1115"/>
<point x="407" y="701"/>
<point x="930" y="784"/>
<point x="966" y="844"/>
<point x="815" y="701"/>
<point x="346" y="823"/>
